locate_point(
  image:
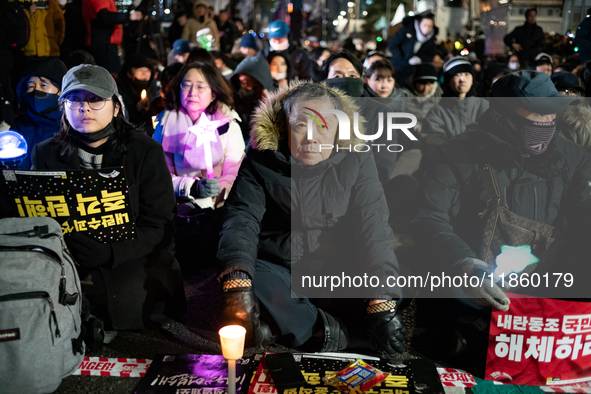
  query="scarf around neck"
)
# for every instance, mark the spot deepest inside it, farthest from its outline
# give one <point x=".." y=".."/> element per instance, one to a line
<point x="178" y="140"/>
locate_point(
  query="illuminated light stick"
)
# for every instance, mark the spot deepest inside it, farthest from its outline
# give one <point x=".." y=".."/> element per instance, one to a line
<point x="205" y="132"/>
<point x="144" y="94"/>
<point x="232" y="340"/>
<point x="514" y="259"/>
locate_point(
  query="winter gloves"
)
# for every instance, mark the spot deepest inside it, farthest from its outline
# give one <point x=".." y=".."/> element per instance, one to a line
<point x="385" y="328"/>
<point x="88" y="252"/>
<point x="489" y="294"/>
<point x="240" y="306"/>
<point x="205" y="187"/>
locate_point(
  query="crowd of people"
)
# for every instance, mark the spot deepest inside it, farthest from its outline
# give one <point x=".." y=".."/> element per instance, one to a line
<point x="270" y="200"/>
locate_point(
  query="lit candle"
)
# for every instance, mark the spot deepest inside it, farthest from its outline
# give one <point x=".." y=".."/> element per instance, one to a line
<point x="144" y="94"/>
<point x="232" y="339"/>
<point x="154" y="122"/>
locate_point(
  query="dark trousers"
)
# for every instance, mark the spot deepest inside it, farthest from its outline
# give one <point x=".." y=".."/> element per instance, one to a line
<point x="294" y="318"/>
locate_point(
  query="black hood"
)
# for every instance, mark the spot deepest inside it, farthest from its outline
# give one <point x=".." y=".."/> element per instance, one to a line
<point x="52" y="69"/>
<point x="256" y="67"/>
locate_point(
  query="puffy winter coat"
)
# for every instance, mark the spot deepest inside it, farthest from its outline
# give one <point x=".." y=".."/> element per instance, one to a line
<point x="553" y="188"/>
<point x="48" y="29"/>
<point x="233" y="151"/>
<point x="194" y="25"/>
<point x="450" y="118"/>
<point x="401" y="45"/>
<point x="29" y="123"/>
<point x="284" y="212"/>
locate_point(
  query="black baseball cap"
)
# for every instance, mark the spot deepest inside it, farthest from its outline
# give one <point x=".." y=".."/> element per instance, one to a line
<point x="566" y="80"/>
<point x="531" y="90"/>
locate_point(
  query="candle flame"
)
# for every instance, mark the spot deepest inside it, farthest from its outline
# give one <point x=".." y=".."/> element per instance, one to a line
<point x="144" y="94"/>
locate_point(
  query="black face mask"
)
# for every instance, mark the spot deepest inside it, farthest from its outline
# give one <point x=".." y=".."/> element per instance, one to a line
<point x="45" y="104"/>
<point x="353" y="87"/>
<point x="246" y="93"/>
<point x="88" y="138"/>
<point x="140" y="85"/>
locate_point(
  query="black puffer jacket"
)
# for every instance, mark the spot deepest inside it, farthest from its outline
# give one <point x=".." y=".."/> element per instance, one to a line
<point x="284" y="212"/>
<point x="553" y="188"/>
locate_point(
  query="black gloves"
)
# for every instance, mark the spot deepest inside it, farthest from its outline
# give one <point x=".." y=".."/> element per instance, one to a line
<point x="88" y="252"/>
<point x="205" y="187"/>
<point x="240" y="306"/>
<point x="386" y="331"/>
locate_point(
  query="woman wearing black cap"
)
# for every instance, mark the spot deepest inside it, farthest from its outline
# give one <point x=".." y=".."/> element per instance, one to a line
<point x="128" y="283"/>
<point x="541" y="177"/>
<point x="38" y="92"/>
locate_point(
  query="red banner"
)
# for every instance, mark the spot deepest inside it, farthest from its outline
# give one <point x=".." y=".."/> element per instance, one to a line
<point x="540" y="341"/>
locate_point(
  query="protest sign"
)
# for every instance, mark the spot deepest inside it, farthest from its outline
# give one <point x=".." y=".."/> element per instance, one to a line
<point x="93" y="202"/>
<point x="540" y="341"/>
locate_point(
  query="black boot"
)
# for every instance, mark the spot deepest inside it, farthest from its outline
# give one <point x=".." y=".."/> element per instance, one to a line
<point x="335" y="333"/>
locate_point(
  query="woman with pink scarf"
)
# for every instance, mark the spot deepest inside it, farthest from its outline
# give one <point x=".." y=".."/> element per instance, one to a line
<point x="203" y="146"/>
<point x="199" y="89"/>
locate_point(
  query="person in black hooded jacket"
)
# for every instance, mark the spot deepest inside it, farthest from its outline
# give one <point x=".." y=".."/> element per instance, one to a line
<point x="38" y="93"/>
<point x="251" y="81"/>
<point x="290" y="205"/>
<point x="413" y="44"/>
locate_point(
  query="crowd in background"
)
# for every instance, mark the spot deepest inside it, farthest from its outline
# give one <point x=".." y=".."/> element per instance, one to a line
<point x="207" y="66"/>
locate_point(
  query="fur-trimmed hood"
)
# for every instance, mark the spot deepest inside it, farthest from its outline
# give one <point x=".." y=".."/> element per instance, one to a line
<point x="573" y="123"/>
<point x="269" y="122"/>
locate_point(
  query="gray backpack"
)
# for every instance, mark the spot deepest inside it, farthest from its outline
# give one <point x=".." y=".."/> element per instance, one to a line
<point x="41" y="339"/>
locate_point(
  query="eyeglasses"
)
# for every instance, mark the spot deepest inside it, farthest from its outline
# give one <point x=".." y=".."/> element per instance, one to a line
<point x="95" y="103"/>
<point x="188" y="87"/>
<point x="570" y="92"/>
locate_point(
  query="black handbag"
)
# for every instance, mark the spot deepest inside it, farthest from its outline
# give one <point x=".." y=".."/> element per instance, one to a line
<point x="503" y="227"/>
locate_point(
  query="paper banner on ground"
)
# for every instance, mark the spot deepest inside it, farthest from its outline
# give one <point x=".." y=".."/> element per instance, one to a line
<point x="123" y="367"/>
<point x="451" y="377"/>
